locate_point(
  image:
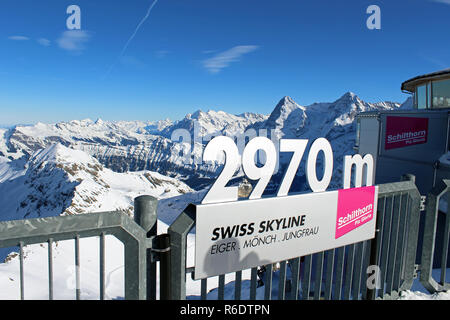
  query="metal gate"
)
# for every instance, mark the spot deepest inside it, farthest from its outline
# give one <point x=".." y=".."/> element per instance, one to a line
<point x="338" y="274"/>
<point x="376" y="269"/>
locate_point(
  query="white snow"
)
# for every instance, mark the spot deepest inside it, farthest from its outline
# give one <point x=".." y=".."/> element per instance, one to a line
<point x="417" y="295"/>
<point x="36" y="276"/>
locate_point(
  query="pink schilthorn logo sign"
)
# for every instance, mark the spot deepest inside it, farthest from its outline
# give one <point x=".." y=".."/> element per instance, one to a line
<point x="355" y="208"/>
<point x="405" y="131"/>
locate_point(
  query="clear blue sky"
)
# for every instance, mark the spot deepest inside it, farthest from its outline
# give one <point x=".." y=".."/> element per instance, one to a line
<point x="234" y="55"/>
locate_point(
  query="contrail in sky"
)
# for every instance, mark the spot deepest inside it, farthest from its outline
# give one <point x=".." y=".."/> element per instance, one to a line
<point x="133" y="35"/>
<point x="137" y="28"/>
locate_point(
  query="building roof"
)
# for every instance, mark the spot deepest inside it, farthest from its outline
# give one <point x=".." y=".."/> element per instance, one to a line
<point x="411" y="84"/>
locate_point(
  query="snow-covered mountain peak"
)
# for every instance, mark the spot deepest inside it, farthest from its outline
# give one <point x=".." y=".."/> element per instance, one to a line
<point x="196" y="115"/>
<point x="287" y="100"/>
<point x="214" y="122"/>
<point x="57" y="153"/>
<point x="349" y="95"/>
<point x="348" y="99"/>
<point x="286" y="108"/>
<point x="286" y="104"/>
<point x="82" y="123"/>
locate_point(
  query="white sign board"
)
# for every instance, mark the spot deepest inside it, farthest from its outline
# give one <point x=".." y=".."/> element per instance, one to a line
<point x="239" y="235"/>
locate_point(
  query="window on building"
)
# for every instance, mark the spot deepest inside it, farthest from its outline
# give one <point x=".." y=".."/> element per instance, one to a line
<point x="441" y="94"/>
<point x="421" y="97"/>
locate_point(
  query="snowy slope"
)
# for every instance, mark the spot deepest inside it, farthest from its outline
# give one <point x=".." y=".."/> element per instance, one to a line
<point x="120" y="146"/>
<point x="58" y="179"/>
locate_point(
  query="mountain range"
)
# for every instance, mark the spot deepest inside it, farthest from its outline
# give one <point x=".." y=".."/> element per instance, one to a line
<point x="128" y="146"/>
<point x="84" y="166"/>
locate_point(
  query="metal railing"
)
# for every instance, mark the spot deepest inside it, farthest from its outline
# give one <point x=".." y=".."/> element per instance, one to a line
<point x="137" y="236"/>
<point x="339" y="273"/>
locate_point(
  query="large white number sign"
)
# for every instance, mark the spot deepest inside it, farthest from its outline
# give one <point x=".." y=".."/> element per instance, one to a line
<point x="220" y="193"/>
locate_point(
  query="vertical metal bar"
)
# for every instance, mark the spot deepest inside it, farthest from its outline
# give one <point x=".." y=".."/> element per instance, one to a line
<point x="295" y="274"/>
<point x="385" y="243"/>
<point x="22" y="282"/>
<point x="393" y="243"/>
<point x="221" y="289"/>
<point x="375" y="245"/>
<point x="238" y="285"/>
<point x="357" y="270"/>
<point x="318" y="276"/>
<point x="102" y="266"/>
<point x="349" y="272"/>
<point x="445" y="244"/>
<point x="404" y="227"/>
<point x="268" y="282"/>
<point x="282" y="281"/>
<point x="400" y="243"/>
<point x="136" y="268"/>
<point x="253" y="283"/>
<point x="77" y="268"/>
<point x="306" y="281"/>
<point x="329" y="274"/>
<point x="411" y="238"/>
<point x="339" y="273"/>
<point x="204" y="288"/>
<point x="50" y="269"/>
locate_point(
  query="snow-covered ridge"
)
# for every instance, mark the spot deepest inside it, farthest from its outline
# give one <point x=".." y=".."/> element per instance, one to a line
<point x="334" y="121"/>
<point x="59" y="180"/>
<point x="138" y="145"/>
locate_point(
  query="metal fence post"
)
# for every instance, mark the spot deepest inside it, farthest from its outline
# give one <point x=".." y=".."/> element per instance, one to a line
<point x="145" y="215"/>
<point x="178" y="232"/>
<point x="429" y="240"/>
